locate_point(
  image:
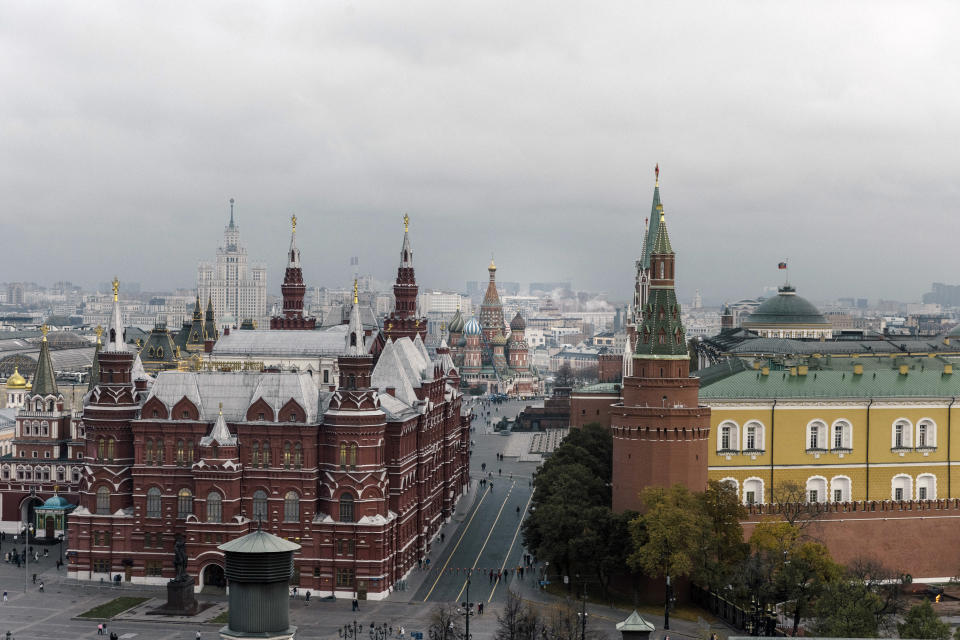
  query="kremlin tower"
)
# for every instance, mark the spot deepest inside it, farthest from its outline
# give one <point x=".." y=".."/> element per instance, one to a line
<point x="293" y="290"/>
<point x="404" y="321"/>
<point x="660" y="430"/>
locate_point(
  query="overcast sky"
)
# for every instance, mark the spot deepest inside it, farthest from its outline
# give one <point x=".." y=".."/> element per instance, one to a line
<point x="826" y="133"/>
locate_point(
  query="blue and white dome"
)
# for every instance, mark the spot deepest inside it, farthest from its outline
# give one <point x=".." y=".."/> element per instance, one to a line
<point x="472" y="328"/>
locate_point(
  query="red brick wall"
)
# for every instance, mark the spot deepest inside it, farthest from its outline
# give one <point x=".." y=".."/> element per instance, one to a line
<point x="919" y="538"/>
<point x="609" y="368"/>
<point x="591" y="407"/>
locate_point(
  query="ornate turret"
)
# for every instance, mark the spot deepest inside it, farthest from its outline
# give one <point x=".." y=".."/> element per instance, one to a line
<point x="491" y="311"/>
<point x="210" y="331"/>
<point x="356" y="365"/>
<point x="45" y="380"/>
<point x="650" y="231"/>
<point x="404" y="320"/>
<point x="661" y="332"/>
<point x="293" y="290"/>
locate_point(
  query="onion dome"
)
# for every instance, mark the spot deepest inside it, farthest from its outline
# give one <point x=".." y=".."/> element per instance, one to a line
<point x="499" y="339"/>
<point x="16" y="381"/>
<point x="472" y="328"/>
<point x="786" y="308"/>
<point x="456" y="323"/>
<point x="518" y="323"/>
<point x="56" y="502"/>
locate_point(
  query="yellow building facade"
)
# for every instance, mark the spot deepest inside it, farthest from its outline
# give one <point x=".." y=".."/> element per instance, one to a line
<point x="882" y="434"/>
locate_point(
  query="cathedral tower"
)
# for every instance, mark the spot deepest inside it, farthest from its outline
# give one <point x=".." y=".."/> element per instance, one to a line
<point x="660" y="431"/>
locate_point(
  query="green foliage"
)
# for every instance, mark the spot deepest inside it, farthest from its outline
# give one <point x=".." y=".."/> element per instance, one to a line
<point x="846" y="610"/>
<point x="722" y="548"/>
<point x="667" y="535"/>
<point x="922" y="621"/>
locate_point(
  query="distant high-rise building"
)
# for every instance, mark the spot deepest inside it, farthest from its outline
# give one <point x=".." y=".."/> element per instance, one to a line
<point x="237" y="290"/>
<point x="697" y="300"/>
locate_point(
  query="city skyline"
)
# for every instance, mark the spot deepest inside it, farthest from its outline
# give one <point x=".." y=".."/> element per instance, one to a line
<point x="536" y="136"/>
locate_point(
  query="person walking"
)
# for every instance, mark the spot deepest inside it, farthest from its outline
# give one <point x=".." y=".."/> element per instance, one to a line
<point x="41" y="586"/>
<point x="100" y="629"/>
<point x="479" y="608"/>
<point x="4" y="596"/>
<point x="197" y="636"/>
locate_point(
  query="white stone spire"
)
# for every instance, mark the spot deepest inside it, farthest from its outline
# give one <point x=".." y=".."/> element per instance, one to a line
<point x="406" y="253"/>
<point x="115" y="328"/>
<point x="219" y="433"/>
<point x="293" y="256"/>
<point x="354" y="340"/>
<point x="627" y="358"/>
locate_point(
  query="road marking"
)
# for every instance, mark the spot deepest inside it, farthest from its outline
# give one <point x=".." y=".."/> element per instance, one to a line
<point x="513" y="542"/>
<point x="452" y="551"/>
<point x="489" y="533"/>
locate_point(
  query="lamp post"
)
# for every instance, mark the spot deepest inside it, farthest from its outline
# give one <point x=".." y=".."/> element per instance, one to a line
<point x="350" y="631"/>
<point x="583" y="614"/>
<point x="666" y="606"/>
<point x="378" y="633"/>
<point x="61" y="547"/>
<point x="466" y="611"/>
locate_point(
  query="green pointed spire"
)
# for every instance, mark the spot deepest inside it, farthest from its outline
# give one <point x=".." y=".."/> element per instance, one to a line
<point x="661" y="244"/>
<point x="652" y="230"/>
<point x="45" y="380"/>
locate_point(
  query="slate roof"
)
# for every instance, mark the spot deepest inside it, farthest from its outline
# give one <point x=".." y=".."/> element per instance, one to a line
<point x="259" y="542"/>
<point x="45" y="379"/>
<point x="237" y="390"/>
<point x="303" y="344"/>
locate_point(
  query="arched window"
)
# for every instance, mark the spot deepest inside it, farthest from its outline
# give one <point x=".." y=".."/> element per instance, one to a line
<point x="214" y="507"/>
<point x="346" y="508"/>
<point x="926" y="434"/>
<point x="902" y="487"/>
<point x="110" y="444"/>
<point x="184" y="503"/>
<point x="161" y="451"/>
<point x="753" y="436"/>
<point x="103" y="501"/>
<point x="286" y="455"/>
<point x="153" y="502"/>
<point x="189" y="451"/>
<point x="100" y="448"/>
<point x="148" y="451"/>
<point x="727" y="438"/>
<point x="297" y="455"/>
<point x="179" y="453"/>
<point x="840" y="489"/>
<point x="817" y="489"/>
<point x="816" y="437"/>
<point x="753" y="491"/>
<point x="353" y="456"/>
<point x="926" y="486"/>
<point x="842" y="436"/>
<point x="260" y="505"/>
<point x="291" y="507"/>
<point x="44" y="428"/>
<point x="266" y="454"/>
<point x="255" y="454"/>
<point x="75" y="474"/>
<point x="343" y="455"/>
<point x="902" y="435"/>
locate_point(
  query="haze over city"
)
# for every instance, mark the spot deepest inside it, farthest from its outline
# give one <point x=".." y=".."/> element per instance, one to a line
<point x="821" y="133"/>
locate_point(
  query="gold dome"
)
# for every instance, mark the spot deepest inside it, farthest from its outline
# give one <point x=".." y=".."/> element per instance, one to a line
<point x="16" y="381"/>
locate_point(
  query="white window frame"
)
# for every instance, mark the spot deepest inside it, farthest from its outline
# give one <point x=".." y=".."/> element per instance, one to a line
<point x="822" y="431"/>
<point x="759" y="435"/>
<point x="733" y="440"/>
<point x="907" y="490"/>
<point x="907" y="434"/>
<point x="820" y="485"/>
<point x="843" y="484"/>
<point x="846" y="435"/>
<point x="931" y="436"/>
<point x="929" y="482"/>
<point x="756" y="485"/>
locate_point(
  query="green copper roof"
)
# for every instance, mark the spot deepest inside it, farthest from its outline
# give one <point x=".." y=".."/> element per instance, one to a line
<point x="45" y="380"/>
<point x="652" y="230"/>
<point x="662" y="244"/>
<point x="786" y="308"/>
<point x="882" y="383"/>
<point x="259" y="542"/>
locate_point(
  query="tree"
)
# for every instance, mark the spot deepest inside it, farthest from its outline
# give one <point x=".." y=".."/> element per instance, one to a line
<point x="722" y="549"/>
<point x="922" y="621"/>
<point x="862" y="604"/>
<point x="518" y="621"/>
<point x="806" y="573"/>
<point x="564" y="377"/>
<point x="666" y="536"/>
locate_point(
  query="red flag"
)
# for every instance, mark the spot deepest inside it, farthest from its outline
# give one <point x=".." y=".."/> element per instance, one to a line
<point x="782" y="265"/>
<point x="656" y="171"/>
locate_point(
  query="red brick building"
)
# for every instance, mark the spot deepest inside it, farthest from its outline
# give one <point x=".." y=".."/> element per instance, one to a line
<point x="293" y="291"/>
<point x="361" y="475"/>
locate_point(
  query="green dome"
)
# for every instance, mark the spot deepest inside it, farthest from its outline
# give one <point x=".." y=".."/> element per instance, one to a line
<point x="456" y="323"/>
<point x="785" y="308"/>
<point x="56" y="502"/>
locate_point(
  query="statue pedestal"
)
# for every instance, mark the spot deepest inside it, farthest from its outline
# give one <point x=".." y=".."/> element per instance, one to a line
<point x="180" y="598"/>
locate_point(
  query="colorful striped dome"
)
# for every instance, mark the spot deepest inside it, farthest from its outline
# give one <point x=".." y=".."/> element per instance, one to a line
<point x="472" y="328"/>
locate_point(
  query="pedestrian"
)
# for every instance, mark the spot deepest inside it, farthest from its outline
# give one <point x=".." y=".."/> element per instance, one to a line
<point x="41" y="586"/>
<point x="307" y="596"/>
<point x="100" y="629"/>
<point x="500" y="471"/>
<point x="46" y="553"/>
<point x="401" y="632"/>
<point x="443" y="537"/>
<point x="34" y="578"/>
<point x="479" y="608"/>
<point x="4" y="596"/>
<point x="197" y="636"/>
<point x="491" y="577"/>
<point x="420" y="563"/>
<point x="104" y="628"/>
<point x="356" y="605"/>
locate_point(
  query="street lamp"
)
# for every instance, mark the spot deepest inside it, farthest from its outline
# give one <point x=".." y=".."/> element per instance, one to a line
<point x="666" y="606"/>
<point x="350" y="632"/>
<point x="378" y="633"/>
<point x="466" y="611"/>
<point x="583" y="613"/>
<point x="61" y="547"/>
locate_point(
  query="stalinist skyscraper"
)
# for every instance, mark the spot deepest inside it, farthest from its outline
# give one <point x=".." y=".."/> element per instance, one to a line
<point x="238" y="290"/>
